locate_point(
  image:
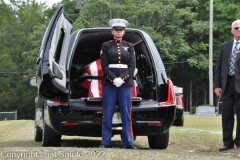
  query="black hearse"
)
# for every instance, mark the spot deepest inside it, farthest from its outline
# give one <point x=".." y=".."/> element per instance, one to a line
<point x="64" y="108"/>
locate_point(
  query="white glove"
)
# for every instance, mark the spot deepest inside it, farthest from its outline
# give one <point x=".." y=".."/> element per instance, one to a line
<point x="118" y="82"/>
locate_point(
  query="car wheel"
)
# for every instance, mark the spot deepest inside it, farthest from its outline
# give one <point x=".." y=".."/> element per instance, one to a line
<point x="48" y="139"/>
<point x="179" y="122"/>
<point x="159" y="141"/>
<point x="37" y="132"/>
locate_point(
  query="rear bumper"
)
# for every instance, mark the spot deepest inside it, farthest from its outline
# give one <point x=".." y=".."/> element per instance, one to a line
<point x="86" y="121"/>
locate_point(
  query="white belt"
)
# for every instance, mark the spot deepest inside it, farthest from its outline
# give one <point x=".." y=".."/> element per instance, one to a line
<point x="118" y="66"/>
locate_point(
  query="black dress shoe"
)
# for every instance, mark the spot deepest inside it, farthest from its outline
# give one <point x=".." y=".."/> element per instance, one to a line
<point x="130" y="147"/>
<point x="104" y="146"/>
<point x="225" y="148"/>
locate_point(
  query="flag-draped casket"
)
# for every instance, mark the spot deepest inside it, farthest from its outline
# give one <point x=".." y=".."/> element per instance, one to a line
<point x="91" y="76"/>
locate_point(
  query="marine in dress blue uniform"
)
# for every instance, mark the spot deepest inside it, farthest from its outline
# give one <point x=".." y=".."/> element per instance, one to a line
<point x="118" y="65"/>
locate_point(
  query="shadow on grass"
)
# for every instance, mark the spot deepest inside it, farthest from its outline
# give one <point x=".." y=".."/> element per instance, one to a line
<point x="79" y="143"/>
<point x="91" y="143"/>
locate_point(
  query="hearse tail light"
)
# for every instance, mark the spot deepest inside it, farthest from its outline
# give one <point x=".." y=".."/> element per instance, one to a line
<point x="171" y="95"/>
<point x="71" y="124"/>
<point x="155" y="124"/>
<point x="179" y="101"/>
<point x="58" y="103"/>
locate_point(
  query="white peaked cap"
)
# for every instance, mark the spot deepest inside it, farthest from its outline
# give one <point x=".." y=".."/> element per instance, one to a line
<point x="118" y="23"/>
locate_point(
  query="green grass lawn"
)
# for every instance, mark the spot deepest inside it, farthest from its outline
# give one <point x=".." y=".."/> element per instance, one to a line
<point x="199" y="138"/>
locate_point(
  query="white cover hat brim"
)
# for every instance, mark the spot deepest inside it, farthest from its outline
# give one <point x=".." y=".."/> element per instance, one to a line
<point x="118" y="23"/>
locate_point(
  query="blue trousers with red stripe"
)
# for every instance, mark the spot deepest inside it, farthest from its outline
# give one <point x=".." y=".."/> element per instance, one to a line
<point x="123" y="94"/>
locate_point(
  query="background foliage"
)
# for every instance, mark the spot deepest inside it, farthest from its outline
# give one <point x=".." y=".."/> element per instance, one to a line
<point x="179" y="29"/>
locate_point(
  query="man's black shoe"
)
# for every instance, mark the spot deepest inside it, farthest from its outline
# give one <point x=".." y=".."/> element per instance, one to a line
<point x="104" y="146"/>
<point x="225" y="148"/>
<point x="130" y="147"/>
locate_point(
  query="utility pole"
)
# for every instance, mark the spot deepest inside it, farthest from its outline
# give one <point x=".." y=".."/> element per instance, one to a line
<point x="210" y="54"/>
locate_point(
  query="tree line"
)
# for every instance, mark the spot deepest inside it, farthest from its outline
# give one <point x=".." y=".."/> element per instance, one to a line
<point x="179" y="29"/>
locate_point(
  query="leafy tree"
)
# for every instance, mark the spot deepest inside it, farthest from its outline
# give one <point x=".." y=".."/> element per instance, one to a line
<point x="179" y="29"/>
<point x="16" y="27"/>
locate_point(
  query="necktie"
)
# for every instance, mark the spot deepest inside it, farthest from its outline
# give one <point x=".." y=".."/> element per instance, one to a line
<point x="233" y="58"/>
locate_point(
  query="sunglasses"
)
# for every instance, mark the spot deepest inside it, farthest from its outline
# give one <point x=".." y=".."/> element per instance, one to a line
<point x="236" y="28"/>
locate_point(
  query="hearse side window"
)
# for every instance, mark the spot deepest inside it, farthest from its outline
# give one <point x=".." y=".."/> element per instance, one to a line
<point x="57" y="53"/>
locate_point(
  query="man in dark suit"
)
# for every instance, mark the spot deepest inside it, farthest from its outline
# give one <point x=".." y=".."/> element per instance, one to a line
<point x="227" y="86"/>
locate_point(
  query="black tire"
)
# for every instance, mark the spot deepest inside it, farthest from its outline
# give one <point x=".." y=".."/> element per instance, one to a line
<point x="159" y="141"/>
<point x="37" y="133"/>
<point x="179" y="122"/>
<point x="48" y="139"/>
